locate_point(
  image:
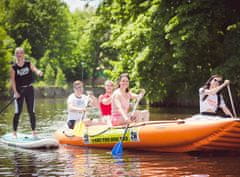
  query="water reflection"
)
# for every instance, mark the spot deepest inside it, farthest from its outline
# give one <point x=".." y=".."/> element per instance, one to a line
<point x="21" y="162"/>
<point x="24" y="165"/>
<point x="73" y="161"/>
<point x="97" y="162"/>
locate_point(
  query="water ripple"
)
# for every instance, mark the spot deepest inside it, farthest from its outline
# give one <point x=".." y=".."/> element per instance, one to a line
<point x="70" y="161"/>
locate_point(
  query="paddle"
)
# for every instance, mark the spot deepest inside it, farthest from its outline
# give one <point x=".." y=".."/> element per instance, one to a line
<point x="118" y="148"/>
<point x="5" y="107"/>
<point x="13" y="98"/>
<point x="231" y="100"/>
<point x="79" y="127"/>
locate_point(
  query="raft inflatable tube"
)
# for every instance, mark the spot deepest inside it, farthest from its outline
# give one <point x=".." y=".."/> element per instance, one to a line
<point x="198" y="133"/>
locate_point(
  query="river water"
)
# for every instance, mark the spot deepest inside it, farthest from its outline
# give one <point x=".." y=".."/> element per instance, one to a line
<point x="76" y="161"/>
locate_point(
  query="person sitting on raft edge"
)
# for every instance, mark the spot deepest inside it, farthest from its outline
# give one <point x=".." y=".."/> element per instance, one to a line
<point x="105" y="102"/>
<point x="210" y="97"/>
<point x="121" y="103"/>
<point x="77" y="103"/>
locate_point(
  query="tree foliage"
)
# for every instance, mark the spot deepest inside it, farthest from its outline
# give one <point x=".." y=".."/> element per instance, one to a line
<point x="60" y="78"/>
<point x="44" y="23"/>
<point x="5" y="58"/>
<point x="168" y="47"/>
<point x="49" y="75"/>
<point x="172" y="47"/>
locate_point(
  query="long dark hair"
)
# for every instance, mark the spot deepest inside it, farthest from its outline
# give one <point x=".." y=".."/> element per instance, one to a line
<point x="120" y="77"/>
<point x="208" y="83"/>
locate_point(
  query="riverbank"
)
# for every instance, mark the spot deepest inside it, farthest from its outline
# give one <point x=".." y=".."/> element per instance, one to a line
<point x="59" y="92"/>
<point x="54" y="92"/>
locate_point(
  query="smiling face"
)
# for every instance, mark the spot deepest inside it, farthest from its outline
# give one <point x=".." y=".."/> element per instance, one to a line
<point x="124" y="82"/>
<point x="78" y="88"/>
<point x="109" y="86"/>
<point x="19" y="53"/>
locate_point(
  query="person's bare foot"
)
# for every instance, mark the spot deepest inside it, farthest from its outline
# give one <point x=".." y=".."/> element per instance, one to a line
<point x="34" y="134"/>
<point x="15" y="134"/>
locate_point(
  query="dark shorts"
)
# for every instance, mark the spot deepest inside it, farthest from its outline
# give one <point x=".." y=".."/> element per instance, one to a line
<point x="214" y="114"/>
<point x="71" y="124"/>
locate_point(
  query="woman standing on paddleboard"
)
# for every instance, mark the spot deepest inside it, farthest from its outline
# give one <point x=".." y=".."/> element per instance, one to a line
<point x="21" y="82"/>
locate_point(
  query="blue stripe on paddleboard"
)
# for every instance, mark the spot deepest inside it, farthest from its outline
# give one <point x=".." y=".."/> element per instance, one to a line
<point x="21" y="138"/>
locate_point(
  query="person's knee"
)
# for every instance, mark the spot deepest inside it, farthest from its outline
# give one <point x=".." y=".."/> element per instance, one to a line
<point x="144" y="115"/>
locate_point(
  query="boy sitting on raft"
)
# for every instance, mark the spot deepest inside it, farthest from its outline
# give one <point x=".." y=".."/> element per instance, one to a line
<point x="77" y="104"/>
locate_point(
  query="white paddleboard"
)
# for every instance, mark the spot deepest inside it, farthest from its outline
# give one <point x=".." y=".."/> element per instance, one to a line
<point x="28" y="141"/>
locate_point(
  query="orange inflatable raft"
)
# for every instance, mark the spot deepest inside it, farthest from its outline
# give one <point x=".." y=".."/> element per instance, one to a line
<point x="198" y="133"/>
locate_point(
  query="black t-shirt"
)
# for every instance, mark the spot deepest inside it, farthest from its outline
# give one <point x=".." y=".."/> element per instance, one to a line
<point x="23" y="75"/>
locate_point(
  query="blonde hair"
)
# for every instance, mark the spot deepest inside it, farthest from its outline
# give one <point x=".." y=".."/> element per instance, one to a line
<point x="108" y="82"/>
<point x="18" y="49"/>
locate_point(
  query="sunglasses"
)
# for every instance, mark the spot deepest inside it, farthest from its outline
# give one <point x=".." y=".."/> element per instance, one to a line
<point x="216" y="80"/>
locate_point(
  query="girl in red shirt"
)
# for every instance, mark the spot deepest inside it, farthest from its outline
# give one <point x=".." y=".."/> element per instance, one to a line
<point x="105" y="101"/>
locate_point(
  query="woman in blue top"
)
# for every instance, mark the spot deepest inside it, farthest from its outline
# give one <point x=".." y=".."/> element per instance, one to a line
<point x="21" y="81"/>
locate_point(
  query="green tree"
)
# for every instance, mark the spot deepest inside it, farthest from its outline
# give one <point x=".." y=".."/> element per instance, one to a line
<point x="49" y="75"/>
<point x="28" y="51"/>
<point x="73" y="63"/>
<point x="91" y="49"/>
<point x="172" y="47"/>
<point x="5" y="58"/>
<point x="44" y="23"/>
<point x="60" y="78"/>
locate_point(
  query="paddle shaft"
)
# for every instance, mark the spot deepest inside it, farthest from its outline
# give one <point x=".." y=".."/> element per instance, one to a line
<point x="78" y="128"/>
<point x="134" y="110"/>
<point x="83" y="114"/>
<point x="125" y="132"/>
<point x="231" y="100"/>
<point x="118" y="148"/>
<point x="13" y="98"/>
<point x="5" y="107"/>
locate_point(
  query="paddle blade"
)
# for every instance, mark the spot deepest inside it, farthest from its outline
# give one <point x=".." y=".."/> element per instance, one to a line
<point x="79" y="129"/>
<point x="117" y="149"/>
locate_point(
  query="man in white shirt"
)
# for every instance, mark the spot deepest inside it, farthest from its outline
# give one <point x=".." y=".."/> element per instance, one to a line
<point x="77" y="104"/>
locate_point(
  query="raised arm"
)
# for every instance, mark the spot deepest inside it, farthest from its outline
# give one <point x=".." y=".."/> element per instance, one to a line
<point x="217" y="89"/>
<point x="35" y="70"/>
<point x="137" y="96"/>
<point x="227" y="111"/>
<point x="73" y="108"/>
<point x="105" y="101"/>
